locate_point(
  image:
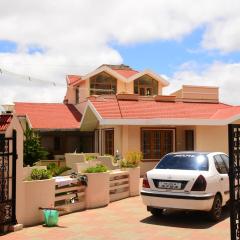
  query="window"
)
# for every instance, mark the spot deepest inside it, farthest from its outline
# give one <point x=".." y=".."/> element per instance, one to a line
<point x="225" y="159"/>
<point x="189" y="140"/>
<point x="109" y="141"/>
<point x="57" y="143"/>
<point x="220" y="165"/>
<point x="146" y="86"/>
<point x="77" y="95"/>
<point x="184" y="162"/>
<point x="102" y="84"/>
<point x="155" y="143"/>
<point x="2" y="142"/>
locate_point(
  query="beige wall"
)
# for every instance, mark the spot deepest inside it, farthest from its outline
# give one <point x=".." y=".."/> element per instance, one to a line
<point x="20" y="197"/>
<point x="206" y="138"/>
<point x="212" y="138"/>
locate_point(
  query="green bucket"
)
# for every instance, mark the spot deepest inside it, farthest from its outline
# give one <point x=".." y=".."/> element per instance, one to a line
<point x="50" y="217"/>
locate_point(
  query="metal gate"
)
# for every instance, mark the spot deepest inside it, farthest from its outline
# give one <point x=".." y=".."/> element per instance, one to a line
<point x="234" y="179"/>
<point x="8" y="157"/>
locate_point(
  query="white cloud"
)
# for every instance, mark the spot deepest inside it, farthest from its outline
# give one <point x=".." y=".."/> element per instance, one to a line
<point x="224" y="76"/>
<point x="75" y="34"/>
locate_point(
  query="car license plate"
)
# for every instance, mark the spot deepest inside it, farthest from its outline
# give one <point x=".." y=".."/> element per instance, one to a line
<point x="169" y="185"/>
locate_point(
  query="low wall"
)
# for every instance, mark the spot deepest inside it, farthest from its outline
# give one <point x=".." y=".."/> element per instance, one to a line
<point x="102" y="189"/>
<point x="73" y="158"/>
<point x="59" y="163"/>
<point x="27" y="171"/>
<point x="38" y="193"/>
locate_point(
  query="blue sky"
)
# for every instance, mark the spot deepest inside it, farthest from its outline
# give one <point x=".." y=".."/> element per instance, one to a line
<point x="163" y="56"/>
<point x="166" y="57"/>
<point x="188" y="42"/>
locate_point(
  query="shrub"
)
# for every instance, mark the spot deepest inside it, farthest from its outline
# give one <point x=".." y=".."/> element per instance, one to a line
<point x="97" y="169"/>
<point x="131" y="160"/>
<point x="90" y="157"/>
<point x="33" y="151"/>
<point x="56" y="170"/>
<point x="40" y="174"/>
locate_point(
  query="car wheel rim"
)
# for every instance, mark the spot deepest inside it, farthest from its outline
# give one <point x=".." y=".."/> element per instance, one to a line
<point x="218" y="207"/>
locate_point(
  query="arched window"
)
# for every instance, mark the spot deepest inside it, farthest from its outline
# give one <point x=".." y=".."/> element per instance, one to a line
<point x="103" y="83"/>
<point x="146" y="86"/>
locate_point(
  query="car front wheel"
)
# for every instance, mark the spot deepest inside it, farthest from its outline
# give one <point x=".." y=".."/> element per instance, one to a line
<point x="216" y="211"/>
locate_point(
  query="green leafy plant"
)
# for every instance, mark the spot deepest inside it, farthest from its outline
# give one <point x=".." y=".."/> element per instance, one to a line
<point x="96" y="169"/>
<point x="56" y="170"/>
<point x="90" y="157"/>
<point x="33" y="151"/>
<point x="40" y="174"/>
<point x="132" y="159"/>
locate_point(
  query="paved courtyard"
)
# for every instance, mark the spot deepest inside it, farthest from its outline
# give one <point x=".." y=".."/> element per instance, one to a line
<point x="128" y="219"/>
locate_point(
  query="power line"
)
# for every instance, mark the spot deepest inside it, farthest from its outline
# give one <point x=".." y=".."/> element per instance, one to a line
<point x="28" y="78"/>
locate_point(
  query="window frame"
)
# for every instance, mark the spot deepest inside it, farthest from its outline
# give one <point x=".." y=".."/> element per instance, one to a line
<point x="93" y="82"/>
<point x="77" y="100"/>
<point x="137" y="85"/>
<point x="191" y="146"/>
<point x="153" y="156"/>
<point x="107" y="148"/>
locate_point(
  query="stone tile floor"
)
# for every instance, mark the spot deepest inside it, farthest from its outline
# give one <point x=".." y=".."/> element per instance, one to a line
<point x="128" y="219"/>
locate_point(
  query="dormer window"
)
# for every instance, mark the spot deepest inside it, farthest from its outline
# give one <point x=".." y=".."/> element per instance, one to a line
<point x="103" y="84"/>
<point x="146" y="86"/>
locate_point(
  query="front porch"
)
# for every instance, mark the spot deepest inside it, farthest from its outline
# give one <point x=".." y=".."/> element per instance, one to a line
<point x="156" y="141"/>
<point x="61" y="142"/>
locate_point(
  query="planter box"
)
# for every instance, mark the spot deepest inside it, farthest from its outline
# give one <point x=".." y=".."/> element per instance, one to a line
<point x="73" y="158"/>
<point x="28" y="170"/>
<point x="134" y="181"/>
<point x="108" y="162"/>
<point x="38" y="193"/>
<point x="97" y="191"/>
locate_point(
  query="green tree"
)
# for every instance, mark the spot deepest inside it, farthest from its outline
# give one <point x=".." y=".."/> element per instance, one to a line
<point x="33" y="151"/>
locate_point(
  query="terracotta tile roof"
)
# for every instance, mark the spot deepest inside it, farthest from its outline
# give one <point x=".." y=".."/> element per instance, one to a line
<point x="71" y="79"/>
<point x="49" y="115"/>
<point x="112" y="108"/>
<point x="126" y="73"/>
<point x="5" y="121"/>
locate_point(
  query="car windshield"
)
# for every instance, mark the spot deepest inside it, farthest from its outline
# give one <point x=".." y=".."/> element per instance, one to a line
<point x="184" y="162"/>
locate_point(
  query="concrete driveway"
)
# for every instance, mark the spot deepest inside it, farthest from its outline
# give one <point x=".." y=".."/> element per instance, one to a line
<point x="128" y="219"/>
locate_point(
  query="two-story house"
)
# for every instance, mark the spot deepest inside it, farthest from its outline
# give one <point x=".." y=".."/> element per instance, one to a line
<point x="118" y="108"/>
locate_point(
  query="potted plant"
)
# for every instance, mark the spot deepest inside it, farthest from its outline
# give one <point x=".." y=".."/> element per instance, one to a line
<point x="131" y="164"/>
<point x="97" y="191"/>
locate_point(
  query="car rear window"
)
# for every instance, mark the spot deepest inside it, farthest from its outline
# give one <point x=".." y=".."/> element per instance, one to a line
<point x="184" y="162"/>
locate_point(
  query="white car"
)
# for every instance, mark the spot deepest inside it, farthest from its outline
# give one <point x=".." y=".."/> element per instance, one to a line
<point x="188" y="180"/>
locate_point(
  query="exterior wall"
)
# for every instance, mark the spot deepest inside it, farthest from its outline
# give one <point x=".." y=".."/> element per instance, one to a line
<point x="70" y="95"/>
<point x="212" y="138"/>
<point x="128" y="138"/>
<point x="20" y="196"/>
<point x="180" y="137"/>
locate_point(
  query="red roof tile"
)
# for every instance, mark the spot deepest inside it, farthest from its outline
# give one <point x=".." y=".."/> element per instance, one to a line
<point x="112" y="108"/>
<point x="71" y="79"/>
<point x="49" y="115"/>
<point x="5" y="121"/>
<point x="126" y="73"/>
